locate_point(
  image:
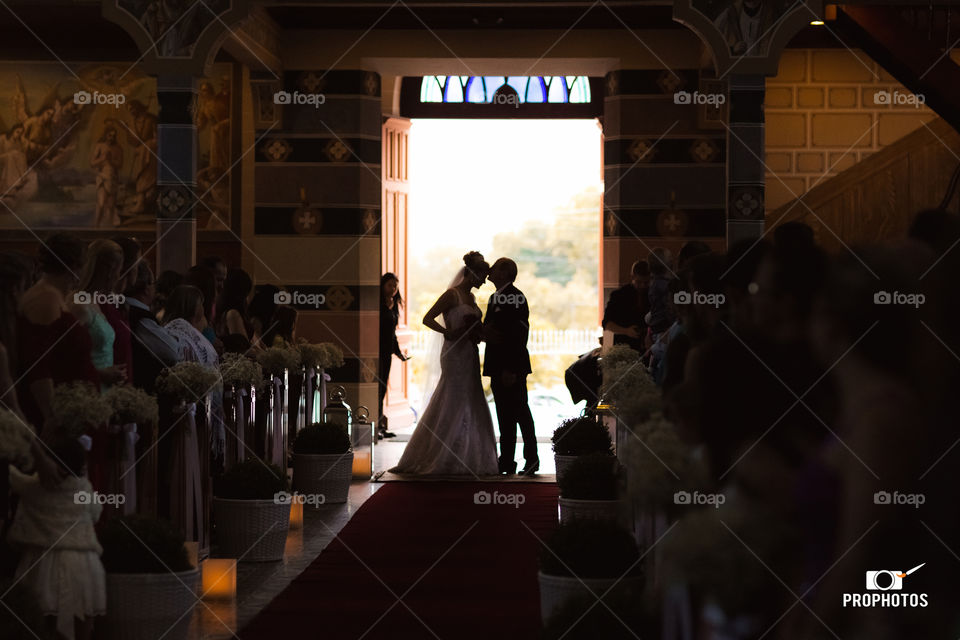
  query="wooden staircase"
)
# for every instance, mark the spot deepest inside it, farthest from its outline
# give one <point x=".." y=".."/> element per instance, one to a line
<point x="876" y="199"/>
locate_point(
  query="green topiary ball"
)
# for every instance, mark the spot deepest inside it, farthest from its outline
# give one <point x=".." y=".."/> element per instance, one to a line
<point x="590" y="549"/>
<point x="139" y="544"/>
<point x="579" y="436"/>
<point x="591" y="477"/>
<point x="322" y="438"/>
<point x="252" y="480"/>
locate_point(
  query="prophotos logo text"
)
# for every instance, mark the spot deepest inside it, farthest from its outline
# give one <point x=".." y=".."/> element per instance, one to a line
<point x="883" y="590"/>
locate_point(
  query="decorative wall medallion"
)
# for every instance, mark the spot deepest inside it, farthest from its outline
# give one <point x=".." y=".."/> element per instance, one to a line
<point x="173" y="202"/>
<point x="337" y="151"/>
<point x="613" y="83"/>
<point x="307" y="220"/>
<point x="746" y="203"/>
<point x="369" y="220"/>
<point x="642" y="150"/>
<point x="276" y="149"/>
<point x="669" y="81"/>
<point x="371" y="83"/>
<point x="611" y="223"/>
<point x="704" y="150"/>
<point x="672" y="222"/>
<point x="339" y="298"/>
<point x="310" y="82"/>
<point x="368" y="369"/>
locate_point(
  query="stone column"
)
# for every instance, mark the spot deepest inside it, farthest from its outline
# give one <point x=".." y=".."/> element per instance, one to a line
<point x="745" y="163"/>
<point x="322" y="244"/>
<point x="176" y="147"/>
<point x="664" y="168"/>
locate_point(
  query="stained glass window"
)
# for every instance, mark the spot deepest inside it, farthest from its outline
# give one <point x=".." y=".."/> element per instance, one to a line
<point x="483" y="89"/>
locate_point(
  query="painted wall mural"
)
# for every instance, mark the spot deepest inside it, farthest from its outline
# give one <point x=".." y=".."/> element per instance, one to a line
<point x="78" y="147"/>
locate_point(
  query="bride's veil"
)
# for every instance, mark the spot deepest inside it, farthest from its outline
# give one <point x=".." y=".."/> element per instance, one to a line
<point x="434" y="350"/>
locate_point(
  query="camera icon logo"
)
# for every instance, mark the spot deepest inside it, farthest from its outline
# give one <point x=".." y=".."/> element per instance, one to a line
<point x="82" y="297"/>
<point x="881" y="97"/>
<point x="282" y="497"/>
<point x="882" y="497"/>
<point x="682" y="97"/>
<point x="887" y="580"/>
<point x="283" y="297"/>
<point x="82" y="497"/>
<point x="282" y="97"/>
<point x="482" y="497"/>
<point x="882" y="297"/>
<point x="682" y="497"/>
<point x="82" y="97"/>
<point x="682" y="297"/>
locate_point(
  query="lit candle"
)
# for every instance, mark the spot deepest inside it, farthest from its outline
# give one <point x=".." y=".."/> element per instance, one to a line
<point x="219" y="578"/>
<point x="296" y="514"/>
<point x="362" y="464"/>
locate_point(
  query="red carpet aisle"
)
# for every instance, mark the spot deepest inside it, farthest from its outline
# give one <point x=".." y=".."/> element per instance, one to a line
<point x="471" y="569"/>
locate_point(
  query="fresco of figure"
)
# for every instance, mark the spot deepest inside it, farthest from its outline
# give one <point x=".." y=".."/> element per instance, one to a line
<point x="745" y="25"/>
<point x="107" y="160"/>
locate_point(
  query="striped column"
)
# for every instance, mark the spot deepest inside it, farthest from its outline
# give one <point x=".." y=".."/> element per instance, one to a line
<point x="176" y="148"/>
<point x="664" y="168"/>
<point x="317" y="210"/>
<point x="745" y="165"/>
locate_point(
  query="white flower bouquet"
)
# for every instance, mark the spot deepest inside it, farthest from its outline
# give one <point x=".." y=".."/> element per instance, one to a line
<point x="324" y="355"/>
<point x="15" y="438"/>
<point x="657" y="461"/>
<point x="187" y="381"/>
<point x="78" y="407"/>
<point x="275" y="359"/>
<point x="239" y="370"/>
<point x="131" y="404"/>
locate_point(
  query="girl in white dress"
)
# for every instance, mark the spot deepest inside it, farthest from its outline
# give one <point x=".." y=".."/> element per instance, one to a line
<point x="455" y="432"/>
<point x="53" y="528"/>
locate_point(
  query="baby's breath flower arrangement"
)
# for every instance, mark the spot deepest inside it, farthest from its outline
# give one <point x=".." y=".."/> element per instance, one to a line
<point x="15" y="438"/>
<point x="323" y="355"/>
<point x="187" y="381"/>
<point x="657" y="461"/>
<point x="78" y="407"/>
<point x="275" y="359"/>
<point x="239" y="370"/>
<point x="130" y="404"/>
<point x="624" y="376"/>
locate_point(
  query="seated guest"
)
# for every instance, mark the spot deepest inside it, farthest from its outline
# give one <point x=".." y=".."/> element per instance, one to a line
<point x="153" y="347"/>
<point x="660" y="317"/>
<point x="184" y="319"/>
<point x="53" y="346"/>
<point x="203" y="279"/>
<point x="99" y="277"/>
<point x="218" y="268"/>
<point x="260" y="311"/>
<point x="283" y="327"/>
<point x="232" y="324"/>
<point x="166" y="282"/>
<point x="626" y="308"/>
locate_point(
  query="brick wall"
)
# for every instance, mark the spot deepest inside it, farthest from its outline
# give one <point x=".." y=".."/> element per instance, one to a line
<point x="822" y="117"/>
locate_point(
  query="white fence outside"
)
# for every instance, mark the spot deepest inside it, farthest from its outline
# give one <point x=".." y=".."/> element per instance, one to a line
<point x="540" y="341"/>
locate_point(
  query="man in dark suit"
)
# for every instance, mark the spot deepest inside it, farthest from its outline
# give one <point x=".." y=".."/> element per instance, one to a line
<point x="507" y="364"/>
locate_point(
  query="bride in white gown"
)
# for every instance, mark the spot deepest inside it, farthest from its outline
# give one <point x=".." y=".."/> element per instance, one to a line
<point x="455" y="432"/>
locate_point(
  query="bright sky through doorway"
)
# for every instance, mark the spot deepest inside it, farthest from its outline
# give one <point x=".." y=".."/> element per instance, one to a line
<point x="471" y="179"/>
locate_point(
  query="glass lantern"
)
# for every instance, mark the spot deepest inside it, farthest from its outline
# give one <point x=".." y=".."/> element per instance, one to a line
<point x="362" y="439"/>
<point x="337" y="409"/>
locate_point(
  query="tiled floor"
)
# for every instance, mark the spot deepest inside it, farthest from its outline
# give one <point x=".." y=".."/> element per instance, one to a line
<point x="260" y="582"/>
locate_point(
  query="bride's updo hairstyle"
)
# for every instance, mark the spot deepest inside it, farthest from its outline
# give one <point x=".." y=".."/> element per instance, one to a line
<point x="475" y="264"/>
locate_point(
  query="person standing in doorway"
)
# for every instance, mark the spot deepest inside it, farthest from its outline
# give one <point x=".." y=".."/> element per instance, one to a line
<point x="390" y="303"/>
<point x="507" y="363"/>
